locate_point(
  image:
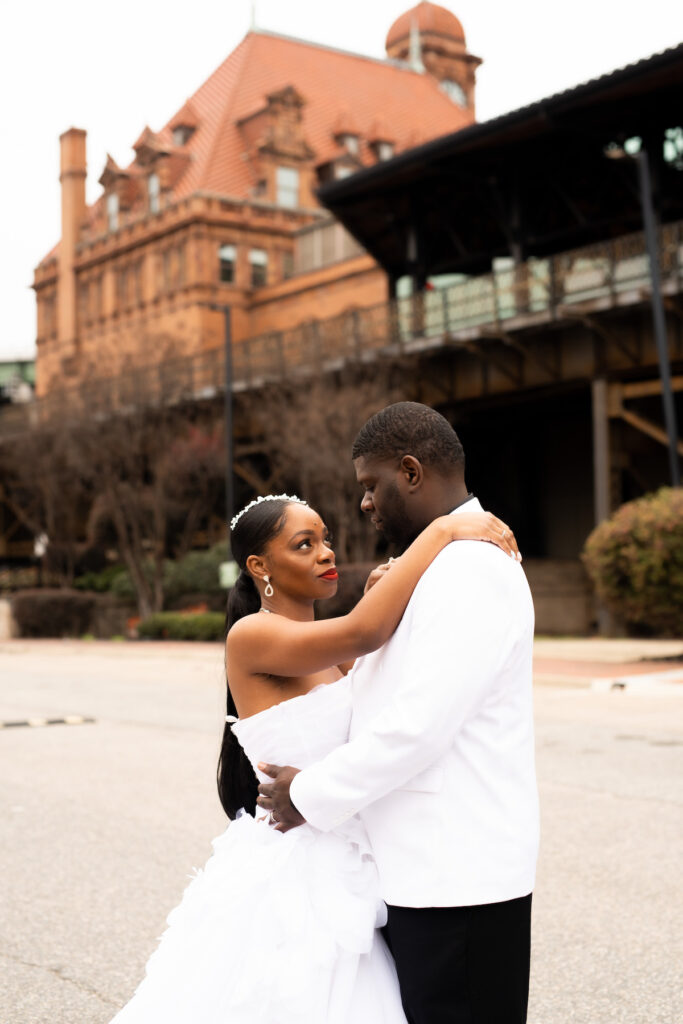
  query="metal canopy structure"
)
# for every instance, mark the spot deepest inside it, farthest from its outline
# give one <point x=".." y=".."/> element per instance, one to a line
<point x="530" y="183"/>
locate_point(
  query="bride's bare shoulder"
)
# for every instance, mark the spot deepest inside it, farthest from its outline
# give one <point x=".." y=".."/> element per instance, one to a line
<point x="247" y="629"/>
<point x="257" y="626"/>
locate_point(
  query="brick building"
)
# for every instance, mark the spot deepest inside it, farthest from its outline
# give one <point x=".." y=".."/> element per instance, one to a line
<point x="219" y="206"/>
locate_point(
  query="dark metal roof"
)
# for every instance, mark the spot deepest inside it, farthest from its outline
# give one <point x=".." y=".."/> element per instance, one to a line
<point x="532" y="181"/>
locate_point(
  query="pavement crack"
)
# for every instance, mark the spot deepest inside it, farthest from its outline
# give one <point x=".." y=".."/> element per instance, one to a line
<point x="58" y="972"/>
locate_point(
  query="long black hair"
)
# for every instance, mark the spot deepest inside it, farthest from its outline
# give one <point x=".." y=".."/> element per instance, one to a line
<point x="237" y="783"/>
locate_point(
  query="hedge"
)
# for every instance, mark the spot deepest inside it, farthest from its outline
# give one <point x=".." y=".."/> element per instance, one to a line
<point x="635" y="560"/>
<point x="196" y="573"/>
<point x="43" y="613"/>
<point x="175" y="626"/>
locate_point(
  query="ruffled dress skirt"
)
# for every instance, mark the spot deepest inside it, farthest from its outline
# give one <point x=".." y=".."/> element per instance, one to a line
<point x="276" y="929"/>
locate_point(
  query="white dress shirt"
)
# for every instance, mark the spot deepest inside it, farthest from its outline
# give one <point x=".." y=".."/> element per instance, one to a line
<point x="440" y="760"/>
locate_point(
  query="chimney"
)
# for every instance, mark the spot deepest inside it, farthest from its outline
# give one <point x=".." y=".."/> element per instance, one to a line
<point x="72" y="173"/>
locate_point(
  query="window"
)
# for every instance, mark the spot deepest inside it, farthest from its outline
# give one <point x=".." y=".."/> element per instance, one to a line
<point x="342" y="171"/>
<point x="181" y="134"/>
<point x="112" y="211"/>
<point x="227" y="255"/>
<point x="166" y="270"/>
<point x="137" y="282"/>
<point x="287" y="183"/>
<point x="258" y="259"/>
<point x="99" y="309"/>
<point x="351" y="144"/>
<point x="84" y="303"/>
<point x="455" y="92"/>
<point x="385" y="150"/>
<point x="50" y="319"/>
<point x="673" y="147"/>
<point x="123" y="288"/>
<point x="180" y="267"/>
<point x="153" y="193"/>
<point x="287" y="265"/>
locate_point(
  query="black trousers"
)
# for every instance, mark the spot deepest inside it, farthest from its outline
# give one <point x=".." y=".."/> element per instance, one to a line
<point x="463" y="965"/>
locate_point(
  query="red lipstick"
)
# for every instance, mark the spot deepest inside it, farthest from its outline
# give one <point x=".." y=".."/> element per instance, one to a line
<point x="331" y="574"/>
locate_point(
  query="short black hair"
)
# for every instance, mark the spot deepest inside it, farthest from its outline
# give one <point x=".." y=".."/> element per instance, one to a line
<point x="410" y="428"/>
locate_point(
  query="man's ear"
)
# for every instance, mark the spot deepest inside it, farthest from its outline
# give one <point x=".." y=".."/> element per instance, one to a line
<point x="257" y="566"/>
<point x="413" y="472"/>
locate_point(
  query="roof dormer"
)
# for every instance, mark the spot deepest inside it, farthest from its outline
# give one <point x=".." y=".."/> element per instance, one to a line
<point x="381" y="141"/>
<point x="276" y="131"/>
<point x="149" y="148"/>
<point x="346" y="133"/>
<point x="184" y="124"/>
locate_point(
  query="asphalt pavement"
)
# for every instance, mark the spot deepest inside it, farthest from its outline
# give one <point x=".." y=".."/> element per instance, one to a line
<point x="104" y="821"/>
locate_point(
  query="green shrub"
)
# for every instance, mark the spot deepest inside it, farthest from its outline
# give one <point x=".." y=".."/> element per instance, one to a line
<point x="42" y="613"/>
<point x="100" y="582"/>
<point x="196" y="573"/>
<point x="175" y="626"/>
<point x="635" y="560"/>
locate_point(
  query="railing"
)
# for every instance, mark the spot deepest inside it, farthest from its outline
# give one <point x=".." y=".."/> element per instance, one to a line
<point x="599" y="276"/>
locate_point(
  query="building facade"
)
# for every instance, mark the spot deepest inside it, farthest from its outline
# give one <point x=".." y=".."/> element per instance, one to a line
<point x="219" y="207"/>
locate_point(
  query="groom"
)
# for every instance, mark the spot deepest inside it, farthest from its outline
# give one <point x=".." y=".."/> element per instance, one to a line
<point x="440" y="759"/>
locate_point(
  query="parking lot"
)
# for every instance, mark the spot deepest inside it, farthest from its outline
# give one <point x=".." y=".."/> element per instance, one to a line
<point x="103" y="822"/>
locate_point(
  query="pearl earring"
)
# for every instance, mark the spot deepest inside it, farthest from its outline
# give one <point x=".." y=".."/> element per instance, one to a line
<point x="269" y="587"/>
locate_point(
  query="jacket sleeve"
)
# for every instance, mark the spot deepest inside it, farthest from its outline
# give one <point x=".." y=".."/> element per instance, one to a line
<point x="460" y="629"/>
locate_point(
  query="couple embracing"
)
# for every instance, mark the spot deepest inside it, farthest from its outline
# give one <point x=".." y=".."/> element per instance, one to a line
<point x="379" y="768"/>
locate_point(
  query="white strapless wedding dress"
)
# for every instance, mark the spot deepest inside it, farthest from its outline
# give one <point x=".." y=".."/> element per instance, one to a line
<point x="278" y="928"/>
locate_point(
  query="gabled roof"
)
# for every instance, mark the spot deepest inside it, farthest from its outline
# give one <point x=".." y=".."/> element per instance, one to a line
<point x="185" y="118"/>
<point x="332" y="83"/>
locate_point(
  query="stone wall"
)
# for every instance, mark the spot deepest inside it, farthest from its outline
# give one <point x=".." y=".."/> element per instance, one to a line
<point x="563" y="598"/>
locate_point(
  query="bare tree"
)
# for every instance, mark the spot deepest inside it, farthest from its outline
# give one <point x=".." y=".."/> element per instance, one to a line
<point x="46" y="493"/>
<point x="156" y="478"/>
<point x="193" y="477"/>
<point x="308" y="431"/>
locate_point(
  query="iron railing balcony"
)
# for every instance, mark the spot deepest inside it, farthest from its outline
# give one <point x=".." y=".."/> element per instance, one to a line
<point x="539" y="291"/>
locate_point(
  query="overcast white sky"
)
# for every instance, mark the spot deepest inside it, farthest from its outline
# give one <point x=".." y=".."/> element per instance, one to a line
<point x="111" y="68"/>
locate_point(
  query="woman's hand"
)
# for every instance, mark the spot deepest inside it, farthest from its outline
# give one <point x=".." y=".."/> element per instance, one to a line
<point x="465" y="526"/>
<point x="483" y="526"/>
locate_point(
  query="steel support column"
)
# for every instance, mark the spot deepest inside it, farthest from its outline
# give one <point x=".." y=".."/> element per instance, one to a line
<point x="601" y="477"/>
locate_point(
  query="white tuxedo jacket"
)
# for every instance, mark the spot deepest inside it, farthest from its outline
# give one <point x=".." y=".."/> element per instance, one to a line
<point x="440" y="760"/>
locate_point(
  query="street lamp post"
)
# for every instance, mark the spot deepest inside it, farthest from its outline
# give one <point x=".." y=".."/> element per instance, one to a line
<point x="659" y="322"/>
<point x="227" y="409"/>
<point x="228" y="416"/>
<point x="615" y="152"/>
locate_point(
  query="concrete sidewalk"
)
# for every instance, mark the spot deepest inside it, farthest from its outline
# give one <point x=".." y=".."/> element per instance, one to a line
<point x="603" y="664"/>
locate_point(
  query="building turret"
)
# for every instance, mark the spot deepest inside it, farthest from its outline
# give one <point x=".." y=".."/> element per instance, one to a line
<point x="440" y="38"/>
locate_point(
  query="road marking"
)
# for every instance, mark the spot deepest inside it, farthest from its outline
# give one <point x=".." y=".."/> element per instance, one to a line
<point x="37" y="723"/>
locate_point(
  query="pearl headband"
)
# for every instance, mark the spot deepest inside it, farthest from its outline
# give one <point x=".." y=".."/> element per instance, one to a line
<point x="265" y="497"/>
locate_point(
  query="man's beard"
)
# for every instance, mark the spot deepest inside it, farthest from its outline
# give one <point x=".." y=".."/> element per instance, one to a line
<point x="396" y="524"/>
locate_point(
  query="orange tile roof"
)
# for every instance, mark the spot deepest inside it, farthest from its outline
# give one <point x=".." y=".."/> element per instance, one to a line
<point x="336" y="86"/>
<point x="332" y="83"/>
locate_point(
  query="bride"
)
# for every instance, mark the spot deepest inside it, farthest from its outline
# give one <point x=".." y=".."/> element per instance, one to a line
<point x="243" y="946"/>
